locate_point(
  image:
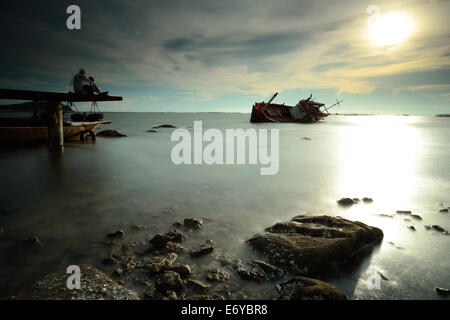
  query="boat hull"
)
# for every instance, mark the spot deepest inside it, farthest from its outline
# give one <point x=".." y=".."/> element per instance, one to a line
<point x="281" y="113"/>
<point x="17" y="134"/>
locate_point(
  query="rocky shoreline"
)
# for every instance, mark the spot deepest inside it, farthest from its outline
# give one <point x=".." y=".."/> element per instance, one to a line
<point x="292" y="254"/>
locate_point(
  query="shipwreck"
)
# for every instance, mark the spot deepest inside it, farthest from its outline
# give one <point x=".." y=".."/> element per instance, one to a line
<point x="306" y="110"/>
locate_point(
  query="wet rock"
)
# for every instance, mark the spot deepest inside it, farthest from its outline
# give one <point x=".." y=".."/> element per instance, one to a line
<point x="346" y="202"/>
<point x="384" y="215"/>
<point x="192" y="223"/>
<point x="257" y="270"/>
<point x="202" y="250"/>
<point x="408" y="212"/>
<point x="198" y="285"/>
<point x="173" y="247"/>
<point x="443" y="210"/>
<point x="164" y="126"/>
<point x="32" y="242"/>
<point x="152" y="131"/>
<point x="412" y="228"/>
<point x="442" y="291"/>
<point x="217" y="275"/>
<point x="95" y="285"/>
<point x="309" y="244"/>
<point x="183" y="270"/>
<point x="110" y="133"/>
<point x="152" y="264"/>
<point x="169" y="280"/>
<point x="159" y="241"/>
<point x="416" y="216"/>
<point x="437" y="228"/>
<point x="367" y="200"/>
<point x="116" y="234"/>
<point x="301" y="288"/>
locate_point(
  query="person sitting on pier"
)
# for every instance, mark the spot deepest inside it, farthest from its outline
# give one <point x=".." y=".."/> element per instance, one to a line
<point x="84" y="85"/>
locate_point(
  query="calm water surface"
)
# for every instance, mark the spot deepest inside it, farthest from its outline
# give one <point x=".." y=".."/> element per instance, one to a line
<point x="71" y="202"/>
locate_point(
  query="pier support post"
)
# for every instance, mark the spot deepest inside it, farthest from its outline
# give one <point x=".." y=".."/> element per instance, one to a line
<point x="55" y="127"/>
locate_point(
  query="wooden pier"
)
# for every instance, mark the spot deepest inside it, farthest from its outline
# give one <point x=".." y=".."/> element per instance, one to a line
<point x="54" y="108"/>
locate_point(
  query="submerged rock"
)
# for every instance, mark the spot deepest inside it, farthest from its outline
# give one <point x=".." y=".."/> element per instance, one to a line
<point x="198" y="285"/>
<point x="110" y="133"/>
<point x="32" y="242"/>
<point x="95" y="285"/>
<point x="258" y="270"/>
<point x="183" y="270"/>
<point x="193" y="223"/>
<point x="416" y="216"/>
<point x="442" y="291"/>
<point x="153" y="264"/>
<point x="164" y="126"/>
<point x="346" y="202"/>
<point x="306" y="138"/>
<point x="152" y="131"/>
<point x="443" y="210"/>
<point x="403" y="212"/>
<point x="159" y="241"/>
<point x="412" y="228"/>
<point x="302" y="288"/>
<point x="169" y="280"/>
<point x="203" y="249"/>
<point x="437" y="228"/>
<point x="116" y="234"/>
<point x="309" y="244"/>
<point x="217" y="275"/>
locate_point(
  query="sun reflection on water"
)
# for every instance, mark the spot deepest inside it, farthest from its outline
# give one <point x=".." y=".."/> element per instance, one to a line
<point x="379" y="158"/>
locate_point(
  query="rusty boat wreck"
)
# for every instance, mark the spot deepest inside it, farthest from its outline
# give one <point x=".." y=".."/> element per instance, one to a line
<point x="305" y="111"/>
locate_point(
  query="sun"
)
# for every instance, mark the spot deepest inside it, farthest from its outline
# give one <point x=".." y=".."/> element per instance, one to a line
<point x="390" y="29"/>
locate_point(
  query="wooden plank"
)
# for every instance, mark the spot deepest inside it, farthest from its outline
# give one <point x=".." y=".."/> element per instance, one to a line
<point x="53" y="96"/>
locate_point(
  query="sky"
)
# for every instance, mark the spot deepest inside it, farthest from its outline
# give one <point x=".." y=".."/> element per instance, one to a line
<point x="202" y="56"/>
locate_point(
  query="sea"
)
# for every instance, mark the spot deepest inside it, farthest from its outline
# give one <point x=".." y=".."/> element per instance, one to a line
<point x="73" y="200"/>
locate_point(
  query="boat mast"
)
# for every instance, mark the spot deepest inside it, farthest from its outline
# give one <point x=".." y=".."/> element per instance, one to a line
<point x="337" y="103"/>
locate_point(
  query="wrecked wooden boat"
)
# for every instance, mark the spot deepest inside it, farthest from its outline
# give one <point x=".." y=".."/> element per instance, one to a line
<point x="305" y="111"/>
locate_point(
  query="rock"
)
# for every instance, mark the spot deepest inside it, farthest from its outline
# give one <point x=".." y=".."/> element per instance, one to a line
<point x="355" y="200"/>
<point x="442" y="291"/>
<point x="443" y="210"/>
<point x="258" y="271"/>
<point x="301" y="288"/>
<point x="407" y="220"/>
<point x="182" y="269"/>
<point x="306" y="138"/>
<point x="345" y="202"/>
<point x="385" y="215"/>
<point x="177" y="224"/>
<point x="32" y="242"/>
<point x="116" y="234"/>
<point x="198" y="285"/>
<point x="151" y="293"/>
<point x="437" y="228"/>
<point x="412" y="228"/>
<point x="403" y="212"/>
<point x="95" y="285"/>
<point x="193" y="223"/>
<point x="110" y="133"/>
<point x="309" y="244"/>
<point x="367" y="200"/>
<point x="153" y="264"/>
<point x="152" y="131"/>
<point x="202" y="250"/>
<point x="169" y="280"/>
<point x="217" y="275"/>
<point x="159" y="241"/>
<point x="164" y="126"/>
<point x="173" y="247"/>
<point x="416" y="216"/>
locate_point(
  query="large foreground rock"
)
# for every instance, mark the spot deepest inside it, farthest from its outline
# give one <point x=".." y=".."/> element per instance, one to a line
<point x="301" y="288"/>
<point x="312" y="244"/>
<point x="95" y="285"/>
